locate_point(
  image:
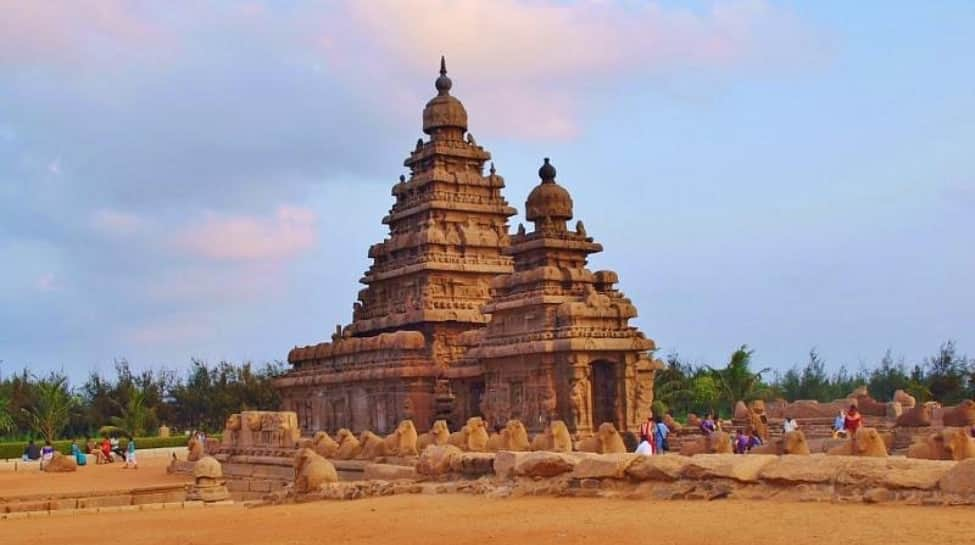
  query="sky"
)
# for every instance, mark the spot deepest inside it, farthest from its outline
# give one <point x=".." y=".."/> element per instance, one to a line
<point x="203" y="179"/>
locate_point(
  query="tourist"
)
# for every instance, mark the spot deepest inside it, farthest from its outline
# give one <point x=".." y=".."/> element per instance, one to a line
<point x="130" y="455"/>
<point x="646" y="429"/>
<point x="79" y="456"/>
<point x="47" y="454"/>
<point x="644" y="448"/>
<point x="116" y="448"/>
<point x="90" y="446"/>
<point x="661" y="431"/>
<point x="790" y="425"/>
<point x="852" y="421"/>
<point x="708" y="425"/>
<point x="106" y="452"/>
<point x="32" y="452"/>
<point x="839" y="424"/>
<point x="740" y="443"/>
<point x="754" y="440"/>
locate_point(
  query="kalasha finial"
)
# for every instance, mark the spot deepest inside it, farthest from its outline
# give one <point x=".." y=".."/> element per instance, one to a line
<point x="492" y="168"/>
<point x="547" y="172"/>
<point x="443" y="83"/>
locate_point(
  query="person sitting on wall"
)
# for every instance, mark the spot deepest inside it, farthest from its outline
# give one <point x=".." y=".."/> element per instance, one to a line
<point x="839" y="425"/>
<point x="853" y="421"/>
<point x="79" y="456"/>
<point x="32" y="452"/>
<point x="106" y="452"/>
<point x="789" y="425"/>
<point x="47" y="454"/>
<point x="740" y="442"/>
<point x="708" y="425"/>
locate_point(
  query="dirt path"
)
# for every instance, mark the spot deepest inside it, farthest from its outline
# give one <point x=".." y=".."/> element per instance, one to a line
<point x="459" y="520"/>
<point x="88" y="479"/>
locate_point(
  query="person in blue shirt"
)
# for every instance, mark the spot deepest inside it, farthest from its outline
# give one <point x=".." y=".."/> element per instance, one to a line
<point x="79" y="456"/>
<point x="660" y="433"/>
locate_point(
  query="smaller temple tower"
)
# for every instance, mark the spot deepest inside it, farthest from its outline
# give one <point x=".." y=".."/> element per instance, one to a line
<point x="559" y="344"/>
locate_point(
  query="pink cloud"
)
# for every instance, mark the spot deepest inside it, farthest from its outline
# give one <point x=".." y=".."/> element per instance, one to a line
<point x="531" y="66"/>
<point x="287" y="233"/>
<point x="68" y="31"/>
<point x="169" y="330"/>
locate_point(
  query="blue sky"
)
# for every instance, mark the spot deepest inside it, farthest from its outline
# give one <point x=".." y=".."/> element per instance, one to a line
<point x="205" y="180"/>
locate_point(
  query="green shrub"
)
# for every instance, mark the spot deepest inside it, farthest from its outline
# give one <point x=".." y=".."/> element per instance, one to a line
<point x="15" y="449"/>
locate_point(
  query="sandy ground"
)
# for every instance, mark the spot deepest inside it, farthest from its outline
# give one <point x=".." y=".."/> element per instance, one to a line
<point x="458" y="519"/>
<point x="88" y="478"/>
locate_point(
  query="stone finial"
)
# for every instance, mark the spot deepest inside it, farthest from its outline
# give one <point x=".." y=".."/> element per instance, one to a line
<point x="443" y="83"/>
<point x="547" y="172"/>
<point x="402" y="178"/>
<point x="419" y="143"/>
<point x="492" y="168"/>
<point x="521" y="229"/>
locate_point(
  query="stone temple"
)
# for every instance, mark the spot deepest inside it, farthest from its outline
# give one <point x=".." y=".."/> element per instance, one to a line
<point x="459" y="318"/>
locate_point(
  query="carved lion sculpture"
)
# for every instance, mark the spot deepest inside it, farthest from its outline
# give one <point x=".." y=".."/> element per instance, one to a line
<point x="439" y="434"/>
<point x="373" y="446"/>
<point x="60" y="463"/>
<point x="961" y="415"/>
<point x="906" y="400"/>
<point x="916" y="417"/>
<point x="232" y="423"/>
<point x="865" y="442"/>
<point x="324" y="445"/>
<point x="513" y="437"/>
<point x="718" y="442"/>
<point x="757" y="420"/>
<point x="554" y="437"/>
<point x="194" y="449"/>
<point x="606" y="441"/>
<point x="793" y="443"/>
<point x="959" y="445"/>
<point x="929" y="447"/>
<point x="477" y="435"/>
<point x="671" y="424"/>
<point x="459" y="438"/>
<point x="253" y="421"/>
<point x="349" y="446"/>
<point x="402" y="442"/>
<point x="312" y="471"/>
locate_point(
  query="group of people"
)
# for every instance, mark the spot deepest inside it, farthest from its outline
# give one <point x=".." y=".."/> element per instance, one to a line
<point x="847" y="422"/>
<point x="105" y="453"/>
<point x="653" y="436"/>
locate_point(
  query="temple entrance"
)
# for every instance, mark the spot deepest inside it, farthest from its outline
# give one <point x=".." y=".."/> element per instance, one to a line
<point x="605" y="389"/>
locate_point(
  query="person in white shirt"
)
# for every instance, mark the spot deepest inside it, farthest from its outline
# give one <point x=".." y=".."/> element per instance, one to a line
<point x="790" y="425"/>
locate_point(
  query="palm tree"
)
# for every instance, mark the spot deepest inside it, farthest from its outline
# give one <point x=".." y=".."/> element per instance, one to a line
<point x="6" y="419"/>
<point x="51" y="411"/>
<point x="737" y="382"/>
<point x="135" y="416"/>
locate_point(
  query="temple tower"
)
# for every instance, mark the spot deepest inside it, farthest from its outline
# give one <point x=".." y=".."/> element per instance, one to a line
<point x="448" y="228"/>
<point x="559" y="344"/>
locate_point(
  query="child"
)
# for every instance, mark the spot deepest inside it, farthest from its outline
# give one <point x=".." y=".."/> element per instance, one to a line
<point x="130" y="455"/>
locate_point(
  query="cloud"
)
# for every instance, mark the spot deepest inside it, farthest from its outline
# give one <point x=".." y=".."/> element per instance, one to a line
<point x="290" y="231"/>
<point x="530" y="65"/>
<point x="116" y="223"/>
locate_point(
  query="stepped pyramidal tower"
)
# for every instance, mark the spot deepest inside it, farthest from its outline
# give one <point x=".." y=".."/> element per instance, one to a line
<point x="458" y="318"/>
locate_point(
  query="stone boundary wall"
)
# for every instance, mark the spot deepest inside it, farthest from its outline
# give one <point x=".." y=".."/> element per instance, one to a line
<point x="817" y="477"/>
<point x="136" y="497"/>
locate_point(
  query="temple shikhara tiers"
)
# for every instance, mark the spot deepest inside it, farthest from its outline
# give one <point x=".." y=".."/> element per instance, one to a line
<point x="459" y="318"/>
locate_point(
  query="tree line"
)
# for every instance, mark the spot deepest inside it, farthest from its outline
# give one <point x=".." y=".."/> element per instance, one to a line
<point x="682" y="387"/>
<point x="133" y="404"/>
<point x="137" y="404"/>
